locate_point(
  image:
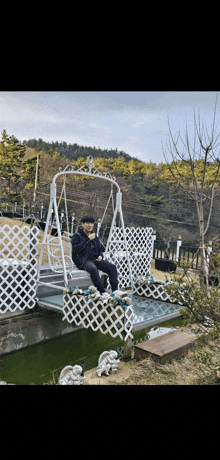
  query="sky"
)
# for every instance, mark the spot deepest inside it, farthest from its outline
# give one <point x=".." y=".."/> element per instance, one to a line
<point x="133" y="121"/>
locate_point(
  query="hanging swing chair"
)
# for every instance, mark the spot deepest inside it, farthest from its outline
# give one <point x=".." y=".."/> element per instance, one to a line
<point x="53" y="242"/>
<point x="54" y="245"/>
<point x="55" y="257"/>
<point x="59" y="247"/>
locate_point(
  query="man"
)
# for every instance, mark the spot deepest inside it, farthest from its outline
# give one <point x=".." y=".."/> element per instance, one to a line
<point x="87" y="254"/>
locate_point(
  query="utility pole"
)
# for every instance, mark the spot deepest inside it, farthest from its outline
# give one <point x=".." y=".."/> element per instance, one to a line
<point x="36" y="176"/>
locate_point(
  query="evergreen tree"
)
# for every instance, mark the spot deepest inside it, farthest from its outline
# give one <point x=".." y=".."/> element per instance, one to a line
<point x="11" y="154"/>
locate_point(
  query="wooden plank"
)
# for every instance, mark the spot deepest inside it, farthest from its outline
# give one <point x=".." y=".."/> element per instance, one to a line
<point x="167" y="346"/>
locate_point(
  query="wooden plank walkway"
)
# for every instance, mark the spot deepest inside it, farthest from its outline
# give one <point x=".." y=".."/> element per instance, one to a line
<point x="167" y="346"/>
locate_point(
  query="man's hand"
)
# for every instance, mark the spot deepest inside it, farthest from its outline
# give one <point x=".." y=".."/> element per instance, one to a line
<point x="99" y="259"/>
<point x="92" y="236"/>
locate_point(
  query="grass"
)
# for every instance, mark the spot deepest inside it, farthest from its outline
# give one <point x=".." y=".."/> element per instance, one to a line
<point x="200" y="366"/>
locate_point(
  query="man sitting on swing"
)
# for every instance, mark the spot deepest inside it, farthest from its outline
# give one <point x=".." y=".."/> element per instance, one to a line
<point x="87" y="254"/>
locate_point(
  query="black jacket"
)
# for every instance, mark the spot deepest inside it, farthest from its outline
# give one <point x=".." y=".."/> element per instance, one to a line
<point x="81" y="247"/>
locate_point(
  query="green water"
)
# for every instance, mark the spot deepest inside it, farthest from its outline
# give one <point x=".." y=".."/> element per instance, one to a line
<point x="41" y="364"/>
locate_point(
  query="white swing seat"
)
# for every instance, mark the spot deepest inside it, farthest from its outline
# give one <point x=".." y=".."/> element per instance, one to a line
<point x="55" y="259"/>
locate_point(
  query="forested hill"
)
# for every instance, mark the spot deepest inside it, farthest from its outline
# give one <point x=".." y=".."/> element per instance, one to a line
<point x="150" y="194"/>
<point x="74" y="151"/>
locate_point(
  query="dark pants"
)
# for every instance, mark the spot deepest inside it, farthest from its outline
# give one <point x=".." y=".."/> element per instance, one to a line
<point x="93" y="267"/>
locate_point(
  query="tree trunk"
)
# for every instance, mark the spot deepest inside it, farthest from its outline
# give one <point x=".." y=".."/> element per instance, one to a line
<point x="203" y="271"/>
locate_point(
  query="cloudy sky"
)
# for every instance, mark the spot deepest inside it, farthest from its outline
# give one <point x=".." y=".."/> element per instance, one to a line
<point x="135" y="122"/>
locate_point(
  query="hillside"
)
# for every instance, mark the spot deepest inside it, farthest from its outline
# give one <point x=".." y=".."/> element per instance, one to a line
<point x="150" y="198"/>
<point x="74" y="151"/>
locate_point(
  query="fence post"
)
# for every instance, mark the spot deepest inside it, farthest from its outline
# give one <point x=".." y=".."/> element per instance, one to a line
<point x="154" y="236"/>
<point x="206" y="259"/>
<point x="72" y="223"/>
<point x="33" y="247"/>
<point x="178" y="244"/>
<point x="98" y="226"/>
<point x="127" y="349"/>
<point x="209" y="250"/>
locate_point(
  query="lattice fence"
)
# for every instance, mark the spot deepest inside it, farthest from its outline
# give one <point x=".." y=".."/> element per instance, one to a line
<point x="153" y="291"/>
<point x="115" y="320"/>
<point x="139" y="243"/>
<point x="18" y="267"/>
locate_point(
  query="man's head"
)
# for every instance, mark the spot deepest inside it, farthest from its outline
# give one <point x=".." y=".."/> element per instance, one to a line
<point x="88" y="218"/>
<point x="87" y="223"/>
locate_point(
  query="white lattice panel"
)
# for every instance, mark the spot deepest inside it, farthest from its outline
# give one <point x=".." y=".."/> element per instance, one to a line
<point x="107" y="319"/>
<point x="18" y="251"/>
<point x="153" y="290"/>
<point x="139" y="243"/>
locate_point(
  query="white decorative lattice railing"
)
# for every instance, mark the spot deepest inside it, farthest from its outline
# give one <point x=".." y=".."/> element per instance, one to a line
<point x="154" y="291"/>
<point x="115" y="320"/>
<point x="139" y="244"/>
<point x="18" y="262"/>
<point x="146" y="286"/>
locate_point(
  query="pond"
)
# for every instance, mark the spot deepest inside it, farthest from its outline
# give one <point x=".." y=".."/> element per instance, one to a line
<point x="42" y="363"/>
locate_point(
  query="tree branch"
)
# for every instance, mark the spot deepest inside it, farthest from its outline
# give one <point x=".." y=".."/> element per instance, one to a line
<point x="210" y="210"/>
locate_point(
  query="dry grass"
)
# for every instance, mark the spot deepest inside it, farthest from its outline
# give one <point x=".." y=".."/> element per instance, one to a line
<point x="200" y="366"/>
<point x="19" y="223"/>
<point x="162" y="276"/>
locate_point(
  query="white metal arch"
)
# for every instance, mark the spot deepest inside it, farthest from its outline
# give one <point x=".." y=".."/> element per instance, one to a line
<point x="87" y="170"/>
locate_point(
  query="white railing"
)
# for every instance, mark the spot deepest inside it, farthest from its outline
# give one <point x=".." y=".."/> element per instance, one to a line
<point x="18" y="267"/>
<point x="139" y="244"/>
<point x="115" y="320"/>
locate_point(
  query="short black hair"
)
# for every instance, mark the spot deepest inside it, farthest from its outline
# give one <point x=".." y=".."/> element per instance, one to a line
<point x="88" y="218"/>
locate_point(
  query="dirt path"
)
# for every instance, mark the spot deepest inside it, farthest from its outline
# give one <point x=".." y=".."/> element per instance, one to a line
<point x="159" y="275"/>
<point x="162" y="276"/>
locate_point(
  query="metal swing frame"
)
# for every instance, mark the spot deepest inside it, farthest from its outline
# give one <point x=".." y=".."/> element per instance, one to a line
<point x="87" y="170"/>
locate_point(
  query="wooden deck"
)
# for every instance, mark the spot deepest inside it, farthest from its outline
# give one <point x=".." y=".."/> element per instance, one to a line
<point x="166" y="347"/>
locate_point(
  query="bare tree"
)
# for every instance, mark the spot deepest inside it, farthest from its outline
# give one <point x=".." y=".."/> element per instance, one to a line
<point x="195" y="168"/>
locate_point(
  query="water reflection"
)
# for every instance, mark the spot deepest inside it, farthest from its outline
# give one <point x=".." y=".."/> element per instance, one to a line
<point x="156" y="331"/>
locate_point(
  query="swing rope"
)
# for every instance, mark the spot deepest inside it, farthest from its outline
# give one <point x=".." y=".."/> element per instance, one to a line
<point x="103" y="216"/>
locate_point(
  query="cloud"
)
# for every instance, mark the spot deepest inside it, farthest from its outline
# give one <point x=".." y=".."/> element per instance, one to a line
<point x="14" y="109"/>
<point x="132" y="121"/>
